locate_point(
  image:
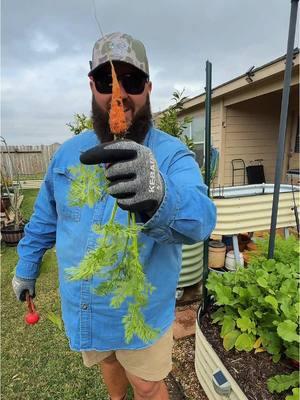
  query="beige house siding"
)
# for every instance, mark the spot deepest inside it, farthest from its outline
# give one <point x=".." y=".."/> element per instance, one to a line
<point x="292" y="158"/>
<point x="245" y="117"/>
<point x="251" y="133"/>
<point x="216" y="124"/>
<point x="216" y="129"/>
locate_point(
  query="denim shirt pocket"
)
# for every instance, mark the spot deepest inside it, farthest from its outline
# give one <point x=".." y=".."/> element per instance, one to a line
<point x="62" y="183"/>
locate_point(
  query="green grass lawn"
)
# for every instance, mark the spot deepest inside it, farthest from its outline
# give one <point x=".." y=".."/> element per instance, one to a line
<point x="36" y="362"/>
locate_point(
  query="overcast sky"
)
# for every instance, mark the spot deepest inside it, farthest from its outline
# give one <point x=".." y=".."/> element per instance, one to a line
<point x="47" y="44"/>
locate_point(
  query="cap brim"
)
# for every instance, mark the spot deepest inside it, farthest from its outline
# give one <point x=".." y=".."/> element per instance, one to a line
<point x="99" y="67"/>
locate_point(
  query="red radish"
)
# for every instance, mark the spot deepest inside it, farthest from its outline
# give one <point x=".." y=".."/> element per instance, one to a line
<point x="32" y="317"/>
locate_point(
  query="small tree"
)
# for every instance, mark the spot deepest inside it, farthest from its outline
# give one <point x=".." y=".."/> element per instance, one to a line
<point x="170" y="123"/>
<point x="81" y="124"/>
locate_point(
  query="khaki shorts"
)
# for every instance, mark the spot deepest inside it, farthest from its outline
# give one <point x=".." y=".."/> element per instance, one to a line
<point x="152" y="364"/>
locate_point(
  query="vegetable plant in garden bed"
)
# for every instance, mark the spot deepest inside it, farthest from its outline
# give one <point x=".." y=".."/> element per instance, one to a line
<point x="256" y="311"/>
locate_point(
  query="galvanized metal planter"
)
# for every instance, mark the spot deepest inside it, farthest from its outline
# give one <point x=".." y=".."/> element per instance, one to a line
<point x="206" y="363"/>
<point x="248" y="208"/>
<point x="192" y="265"/>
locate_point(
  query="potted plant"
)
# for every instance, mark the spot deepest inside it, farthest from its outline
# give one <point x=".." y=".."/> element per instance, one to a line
<point x="5" y="193"/>
<point x="254" y="318"/>
<point x="13" y="229"/>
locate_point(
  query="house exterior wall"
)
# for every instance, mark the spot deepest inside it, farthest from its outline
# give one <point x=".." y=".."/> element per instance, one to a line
<point x="292" y="157"/>
<point x="245" y="117"/>
<point x="249" y="130"/>
<point x="251" y="133"/>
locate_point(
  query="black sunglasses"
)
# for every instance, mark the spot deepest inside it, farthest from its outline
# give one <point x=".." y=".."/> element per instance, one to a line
<point x="132" y="82"/>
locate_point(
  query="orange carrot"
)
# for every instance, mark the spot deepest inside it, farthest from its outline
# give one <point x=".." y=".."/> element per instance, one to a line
<point x="117" y="119"/>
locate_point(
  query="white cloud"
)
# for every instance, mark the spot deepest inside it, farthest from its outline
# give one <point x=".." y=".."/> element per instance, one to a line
<point x="38" y="102"/>
<point x="42" y="44"/>
<point x="44" y="75"/>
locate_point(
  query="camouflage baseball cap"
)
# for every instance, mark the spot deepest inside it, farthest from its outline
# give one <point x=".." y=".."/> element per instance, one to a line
<point x="119" y="47"/>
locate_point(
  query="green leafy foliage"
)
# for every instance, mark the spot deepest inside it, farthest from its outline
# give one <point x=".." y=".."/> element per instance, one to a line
<point x="88" y="186"/>
<point x="280" y="383"/>
<point x="259" y="306"/>
<point x="295" y="395"/>
<point x="170" y="123"/>
<point x="115" y="258"/>
<point x="261" y="302"/>
<point x="81" y="124"/>
<point x="285" y="250"/>
<point x="55" y="319"/>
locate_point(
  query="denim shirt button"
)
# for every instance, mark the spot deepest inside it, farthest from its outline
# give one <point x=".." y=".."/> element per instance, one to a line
<point x="84" y="306"/>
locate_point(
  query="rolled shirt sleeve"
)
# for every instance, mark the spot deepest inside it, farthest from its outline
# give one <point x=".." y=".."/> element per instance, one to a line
<point x="186" y="215"/>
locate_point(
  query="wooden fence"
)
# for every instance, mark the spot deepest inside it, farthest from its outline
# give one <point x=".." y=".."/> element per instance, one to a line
<point x="26" y="160"/>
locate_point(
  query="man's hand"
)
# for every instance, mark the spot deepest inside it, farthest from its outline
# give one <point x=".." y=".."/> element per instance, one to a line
<point x="133" y="174"/>
<point x="21" y="286"/>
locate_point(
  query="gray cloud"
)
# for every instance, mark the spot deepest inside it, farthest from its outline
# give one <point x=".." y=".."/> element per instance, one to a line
<point x="46" y="46"/>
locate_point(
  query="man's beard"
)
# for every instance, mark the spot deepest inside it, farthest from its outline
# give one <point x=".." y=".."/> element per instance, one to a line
<point x="137" y="131"/>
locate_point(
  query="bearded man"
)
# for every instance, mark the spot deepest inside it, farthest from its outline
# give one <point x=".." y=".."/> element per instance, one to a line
<point x="150" y="174"/>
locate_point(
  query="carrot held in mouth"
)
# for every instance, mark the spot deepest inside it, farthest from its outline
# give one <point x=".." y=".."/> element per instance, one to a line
<point x="117" y="118"/>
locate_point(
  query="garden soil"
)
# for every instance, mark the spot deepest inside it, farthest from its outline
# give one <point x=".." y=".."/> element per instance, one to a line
<point x="250" y="370"/>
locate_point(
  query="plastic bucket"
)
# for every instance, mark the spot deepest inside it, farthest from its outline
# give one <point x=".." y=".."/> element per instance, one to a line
<point x="230" y="262"/>
<point x="216" y="254"/>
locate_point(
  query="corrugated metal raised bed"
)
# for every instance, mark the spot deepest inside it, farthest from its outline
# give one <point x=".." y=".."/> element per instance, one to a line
<point x="192" y="265"/>
<point x="206" y="363"/>
<point x="248" y="208"/>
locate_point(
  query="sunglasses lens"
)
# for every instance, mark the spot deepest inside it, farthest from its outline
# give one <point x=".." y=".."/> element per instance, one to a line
<point x="103" y="84"/>
<point x="133" y="83"/>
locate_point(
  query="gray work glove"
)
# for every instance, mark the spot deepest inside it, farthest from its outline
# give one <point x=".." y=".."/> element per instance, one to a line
<point x="21" y="286"/>
<point x="132" y="172"/>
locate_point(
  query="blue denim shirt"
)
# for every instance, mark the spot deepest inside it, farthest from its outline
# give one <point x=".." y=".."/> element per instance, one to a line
<point x="185" y="216"/>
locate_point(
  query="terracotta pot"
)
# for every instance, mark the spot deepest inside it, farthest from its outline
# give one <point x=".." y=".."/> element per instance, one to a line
<point x="246" y="255"/>
<point x="251" y="246"/>
<point x="11" y="235"/>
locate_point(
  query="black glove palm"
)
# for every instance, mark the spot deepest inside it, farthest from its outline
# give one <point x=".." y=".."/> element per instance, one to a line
<point x="133" y="174"/>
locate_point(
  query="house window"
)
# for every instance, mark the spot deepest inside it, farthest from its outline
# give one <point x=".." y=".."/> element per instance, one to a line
<point x="196" y="131"/>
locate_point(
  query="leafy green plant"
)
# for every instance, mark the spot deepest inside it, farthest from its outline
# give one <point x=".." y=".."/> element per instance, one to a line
<point x="80" y="124"/>
<point x="170" y="123"/>
<point x="280" y="383"/>
<point x="55" y="319"/>
<point x="259" y="305"/>
<point x="116" y="257"/>
<point x="295" y="395"/>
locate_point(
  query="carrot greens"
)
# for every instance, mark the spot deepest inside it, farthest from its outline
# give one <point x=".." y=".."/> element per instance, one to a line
<point x="115" y="259"/>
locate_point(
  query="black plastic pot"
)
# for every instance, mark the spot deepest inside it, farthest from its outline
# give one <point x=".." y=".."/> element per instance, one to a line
<point x="11" y="235"/>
